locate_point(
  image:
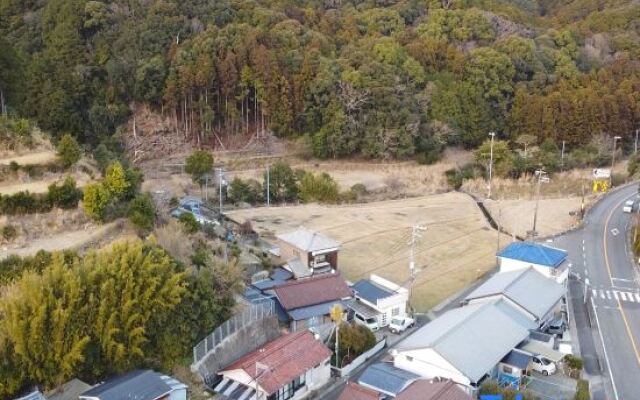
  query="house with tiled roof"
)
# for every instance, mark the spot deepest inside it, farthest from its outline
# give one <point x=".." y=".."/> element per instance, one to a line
<point x="307" y="253"/>
<point x="549" y="261"/>
<point x="289" y="367"/>
<point x="424" y="389"/>
<point x="308" y="302"/>
<point x="354" y="391"/>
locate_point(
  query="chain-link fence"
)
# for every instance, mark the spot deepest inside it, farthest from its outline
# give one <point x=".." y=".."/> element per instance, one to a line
<point x="250" y="314"/>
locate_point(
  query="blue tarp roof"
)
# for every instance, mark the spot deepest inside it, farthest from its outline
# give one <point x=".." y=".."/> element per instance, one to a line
<point x="371" y="292"/>
<point x="534" y="253"/>
<point x="315" y="310"/>
<point x="517" y="359"/>
<point x="387" y="379"/>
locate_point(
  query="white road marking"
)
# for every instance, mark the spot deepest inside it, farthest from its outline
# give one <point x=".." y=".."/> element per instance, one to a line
<point x="622" y="279"/>
<point x="594" y="293"/>
<point x="637" y="297"/>
<point x="615" y="231"/>
<point x="602" y="293"/>
<point x="606" y="356"/>
<point x="631" y="299"/>
<point x="608" y="295"/>
<point x="624" y="296"/>
<point x="615" y="294"/>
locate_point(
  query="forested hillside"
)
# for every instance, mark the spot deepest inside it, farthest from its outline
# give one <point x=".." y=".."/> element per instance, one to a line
<point x="377" y="78"/>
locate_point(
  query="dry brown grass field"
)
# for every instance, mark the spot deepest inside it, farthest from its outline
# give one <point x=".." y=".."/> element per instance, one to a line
<point x="457" y="248"/>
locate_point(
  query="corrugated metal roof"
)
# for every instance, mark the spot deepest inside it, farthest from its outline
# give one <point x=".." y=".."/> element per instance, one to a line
<point x="516" y="315"/>
<point x="298" y="268"/>
<point x="139" y="384"/>
<point x="387" y="379"/>
<point x="69" y="390"/>
<point x="469" y="339"/>
<point x="370" y="291"/>
<point x="307" y="240"/>
<point x="361" y="308"/>
<point x="527" y="287"/>
<point x="534" y="253"/>
<point x="534" y="347"/>
<point x="517" y="359"/>
<point x="32" y="396"/>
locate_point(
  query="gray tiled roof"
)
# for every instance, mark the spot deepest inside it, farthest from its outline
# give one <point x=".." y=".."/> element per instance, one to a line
<point x="527" y="287"/>
<point x="68" y="391"/>
<point x="387" y="379"/>
<point x="298" y="269"/>
<point x="307" y="240"/>
<point x="371" y="291"/>
<point x="139" y="385"/>
<point x="472" y="338"/>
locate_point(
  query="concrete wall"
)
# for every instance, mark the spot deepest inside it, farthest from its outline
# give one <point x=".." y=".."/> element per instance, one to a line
<point x="245" y="340"/>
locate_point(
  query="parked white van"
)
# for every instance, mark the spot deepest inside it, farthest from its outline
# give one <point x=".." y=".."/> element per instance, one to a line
<point x="628" y="206"/>
<point x="543" y="365"/>
<point x="371" y="323"/>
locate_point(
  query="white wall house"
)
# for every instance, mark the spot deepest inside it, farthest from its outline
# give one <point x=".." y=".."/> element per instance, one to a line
<point x="287" y="368"/>
<point x="537" y="297"/>
<point x="549" y="261"/>
<point x="464" y="344"/>
<point x="385" y="299"/>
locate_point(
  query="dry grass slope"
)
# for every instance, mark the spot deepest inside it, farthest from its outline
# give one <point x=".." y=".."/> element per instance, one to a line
<point x="456" y="249"/>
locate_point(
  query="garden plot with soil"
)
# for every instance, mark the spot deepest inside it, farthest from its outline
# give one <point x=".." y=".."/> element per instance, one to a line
<point x="457" y="248"/>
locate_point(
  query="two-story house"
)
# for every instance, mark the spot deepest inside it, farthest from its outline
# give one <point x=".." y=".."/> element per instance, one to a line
<point x="308" y="253"/>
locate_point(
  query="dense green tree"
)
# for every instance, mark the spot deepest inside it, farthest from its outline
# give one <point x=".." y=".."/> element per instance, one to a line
<point x="115" y="181"/>
<point x="95" y="201"/>
<point x="283" y="183"/>
<point x="142" y="212"/>
<point x="198" y="164"/>
<point x="69" y="151"/>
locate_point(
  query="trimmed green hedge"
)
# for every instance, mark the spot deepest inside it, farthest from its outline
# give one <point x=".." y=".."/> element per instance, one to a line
<point x="65" y="196"/>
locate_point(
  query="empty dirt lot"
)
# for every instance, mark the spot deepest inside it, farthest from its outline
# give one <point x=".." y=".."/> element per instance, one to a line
<point x="457" y="248"/>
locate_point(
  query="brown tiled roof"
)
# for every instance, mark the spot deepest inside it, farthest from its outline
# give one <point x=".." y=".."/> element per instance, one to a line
<point x="311" y="291"/>
<point x="424" y="389"/>
<point x="353" y="391"/>
<point x="286" y="358"/>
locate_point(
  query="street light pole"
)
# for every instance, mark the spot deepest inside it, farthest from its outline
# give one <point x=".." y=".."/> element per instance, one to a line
<point x="492" y="134"/>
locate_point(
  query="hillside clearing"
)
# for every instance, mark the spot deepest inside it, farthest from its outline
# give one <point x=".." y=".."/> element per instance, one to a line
<point x="38" y="158"/>
<point x="456" y="249"/>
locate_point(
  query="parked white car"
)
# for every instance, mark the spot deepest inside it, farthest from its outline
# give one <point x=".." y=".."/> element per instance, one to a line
<point x="628" y="206"/>
<point x="543" y="365"/>
<point x="370" y="323"/>
<point x="398" y="325"/>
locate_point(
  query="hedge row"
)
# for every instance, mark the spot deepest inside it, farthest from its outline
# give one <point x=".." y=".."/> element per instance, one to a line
<point x="65" y="196"/>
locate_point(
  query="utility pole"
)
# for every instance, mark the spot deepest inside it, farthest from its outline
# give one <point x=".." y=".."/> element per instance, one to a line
<point x="635" y="146"/>
<point x="415" y="234"/>
<point x="540" y="173"/>
<point x="220" y="190"/>
<point x="492" y="134"/>
<point x="268" y="185"/>
<point x="613" y="159"/>
<point x="562" y="157"/>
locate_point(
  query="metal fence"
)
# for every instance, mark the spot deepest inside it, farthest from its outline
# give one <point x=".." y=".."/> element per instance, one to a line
<point x="250" y="314"/>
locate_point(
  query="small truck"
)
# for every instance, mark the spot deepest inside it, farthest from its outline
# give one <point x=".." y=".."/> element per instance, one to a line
<point x="399" y="325"/>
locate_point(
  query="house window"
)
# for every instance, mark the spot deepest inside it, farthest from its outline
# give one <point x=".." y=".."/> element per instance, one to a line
<point x="507" y="369"/>
<point x="395" y="312"/>
<point x="286" y="392"/>
<point x="299" y="382"/>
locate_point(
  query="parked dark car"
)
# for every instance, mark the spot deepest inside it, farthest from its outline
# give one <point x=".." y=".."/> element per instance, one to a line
<point x="557" y="327"/>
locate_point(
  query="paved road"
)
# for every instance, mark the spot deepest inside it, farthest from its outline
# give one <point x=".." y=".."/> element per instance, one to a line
<point x="608" y="332"/>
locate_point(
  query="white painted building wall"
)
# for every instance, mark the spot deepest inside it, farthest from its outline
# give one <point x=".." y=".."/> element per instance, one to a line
<point x="559" y="274"/>
<point x="428" y="363"/>
<point x="388" y="307"/>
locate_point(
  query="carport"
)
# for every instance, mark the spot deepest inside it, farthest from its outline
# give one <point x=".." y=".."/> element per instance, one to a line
<point x="537" y="348"/>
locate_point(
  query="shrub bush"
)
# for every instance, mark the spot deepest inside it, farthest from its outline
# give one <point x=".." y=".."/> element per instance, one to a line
<point x="573" y="362"/>
<point x="189" y="223"/>
<point x="9" y="232"/>
<point x="65" y="196"/>
<point x="142" y="212"/>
